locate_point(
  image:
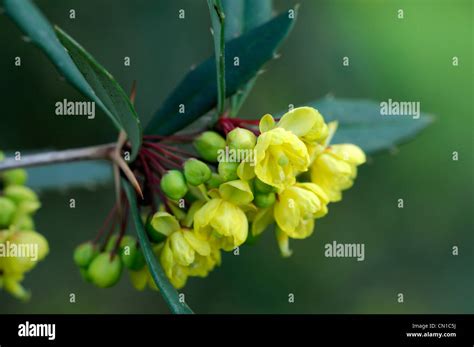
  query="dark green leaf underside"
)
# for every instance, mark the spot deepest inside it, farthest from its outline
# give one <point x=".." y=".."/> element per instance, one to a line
<point x="361" y="123"/>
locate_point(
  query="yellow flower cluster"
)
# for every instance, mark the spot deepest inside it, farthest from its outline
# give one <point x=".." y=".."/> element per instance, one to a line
<point x="245" y="197"/>
<point x="21" y="248"/>
<point x="299" y="142"/>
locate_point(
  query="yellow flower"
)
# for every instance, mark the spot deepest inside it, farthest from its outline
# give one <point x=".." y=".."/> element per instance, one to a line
<point x="335" y="169"/>
<point x="182" y="253"/>
<point x="221" y="222"/>
<point x="285" y="149"/>
<point x="297" y="207"/>
<point x="306" y="123"/>
<point x="279" y="156"/>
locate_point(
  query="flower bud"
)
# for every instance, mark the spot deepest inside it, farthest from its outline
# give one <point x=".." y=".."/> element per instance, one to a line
<point x="84" y="254"/>
<point x="240" y="138"/>
<point x="262" y="187"/>
<point x="196" y="172"/>
<point x="7" y="211"/>
<point x="25" y="263"/>
<point x="174" y="185"/>
<point x="214" y="182"/>
<point x="16" y="289"/>
<point x="208" y="145"/>
<point x="264" y="200"/>
<point x="20" y="194"/>
<point x="228" y="171"/>
<point x="23" y="221"/>
<point x="15" y="177"/>
<point x="104" y="271"/>
<point x="131" y="256"/>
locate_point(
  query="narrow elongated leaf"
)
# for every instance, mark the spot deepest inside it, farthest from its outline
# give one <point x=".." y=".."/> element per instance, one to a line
<point x="197" y="92"/>
<point x="106" y="88"/>
<point x="70" y="175"/>
<point x="241" y="17"/>
<point x="361" y="123"/>
<point x="166" y="288"/>
<point x="244" y="15"/>
<point x="35" y="25"/>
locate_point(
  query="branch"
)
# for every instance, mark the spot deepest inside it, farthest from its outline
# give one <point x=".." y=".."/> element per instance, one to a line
<point x="101" y="152"/>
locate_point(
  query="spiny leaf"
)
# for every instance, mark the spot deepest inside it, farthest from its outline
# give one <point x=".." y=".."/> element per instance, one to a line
<point x="106" y="88"/>
<point x="37" y="28"/>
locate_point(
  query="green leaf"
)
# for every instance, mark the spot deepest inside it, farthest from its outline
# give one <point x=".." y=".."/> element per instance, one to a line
<point x="166" y="288"/>
<point x="106" y="88"/>
<point x="32" y="22"/>
<point x="361" y="123"/>
<point x="35" y="25"/>
<point x="244" y="15"/>
<point x="198" y="90"/>
<point x="218" y="26"/>
<point x="241" y="17"/>
<point x="84" y="174"/>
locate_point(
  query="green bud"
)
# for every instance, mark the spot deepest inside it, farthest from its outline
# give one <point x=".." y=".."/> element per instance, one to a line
<point x="240" y="138"/>
<point x="84" y="254"/>
<point x="23" y="221"/>
<point x="20" y="194"/>
<point x="208" y="145"/>
<point x="15" y="177"/>
<point x="174" y="185"/>
<point x="264" y="200"/>
<point x="103" y="271"/>
<point x="214" y="182"/>
<point x="85" y="274"/>
<point x="228" y="171"/>
<point x="7" y="211"/>
<point x="131" y="256"/>
<point x="154" y="234"/>
<point x="262" y="187"/>
<point x="196" y="172"/>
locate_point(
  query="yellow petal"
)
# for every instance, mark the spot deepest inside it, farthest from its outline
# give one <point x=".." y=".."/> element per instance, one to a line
<point x="246" y="170"/>
<point x="237" y="192"/>
<point x="139" y="278"/>
<point x="262" y="220"/>
<point x="304" y="122"/>
<point x="195" y="206"/>
<point x="349" y="153"/>
<point x="182" y="251"/>
<point x="266" y="123"/>
<point x="283" y="243"/>
<point x="199" y="245"/>
<point x="165" y="223"/>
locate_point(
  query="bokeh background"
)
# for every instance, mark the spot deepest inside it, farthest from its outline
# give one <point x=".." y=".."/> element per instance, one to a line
<point x="408" y="250"/>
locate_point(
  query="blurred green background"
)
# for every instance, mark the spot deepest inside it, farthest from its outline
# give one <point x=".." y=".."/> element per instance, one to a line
<point x="407" y="250"/>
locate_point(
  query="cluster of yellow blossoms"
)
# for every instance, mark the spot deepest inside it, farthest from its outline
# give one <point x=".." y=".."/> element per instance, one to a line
<point x="289" y="179"/>
<point x="20" y="246"/>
